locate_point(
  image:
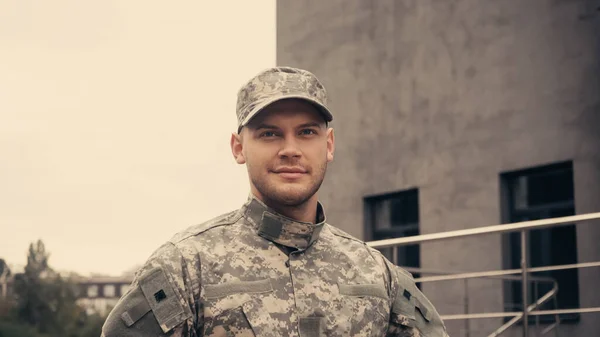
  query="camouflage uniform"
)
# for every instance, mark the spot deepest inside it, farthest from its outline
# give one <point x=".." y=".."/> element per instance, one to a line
<point x="254" y="272"/>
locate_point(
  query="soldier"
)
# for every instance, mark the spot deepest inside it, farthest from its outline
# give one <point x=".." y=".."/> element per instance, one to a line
<point x="274" y="267"/>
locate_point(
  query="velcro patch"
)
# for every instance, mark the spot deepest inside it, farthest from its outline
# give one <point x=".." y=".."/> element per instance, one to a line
<point x="213" y="291"/>
<point x="163" y="300"/>
<point x="270" y="227"/>
<point x="310" y="326"/>
<point x="374" y="290"/>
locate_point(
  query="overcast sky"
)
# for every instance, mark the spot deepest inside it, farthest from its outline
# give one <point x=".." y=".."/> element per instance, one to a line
<point x="115" y="118"/>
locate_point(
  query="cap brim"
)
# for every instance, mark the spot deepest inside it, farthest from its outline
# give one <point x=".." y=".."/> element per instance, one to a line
<point x="256" y="110"/>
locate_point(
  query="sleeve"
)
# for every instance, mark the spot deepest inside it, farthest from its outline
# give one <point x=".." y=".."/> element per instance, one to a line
<point x="160" y="301"/>
<point x="412" y="314"/>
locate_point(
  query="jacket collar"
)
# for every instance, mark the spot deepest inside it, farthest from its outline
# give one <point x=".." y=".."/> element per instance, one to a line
<point x="281" y="229"/>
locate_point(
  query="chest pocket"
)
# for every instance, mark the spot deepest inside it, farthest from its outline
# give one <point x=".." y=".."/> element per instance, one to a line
<point x="235" y="308"/>
<point x="363" y="310"/>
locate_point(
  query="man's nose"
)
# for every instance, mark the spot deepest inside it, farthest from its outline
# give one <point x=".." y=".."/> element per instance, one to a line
<point x="290" y="148"/>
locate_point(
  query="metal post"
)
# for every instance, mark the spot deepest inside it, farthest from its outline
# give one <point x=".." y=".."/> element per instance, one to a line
<point x="535" y="298"/>
<point x="467" y="327"/>
<point x="395" y="255"/>
<point x="525" y="282"/>
<point x="557" y="317"/>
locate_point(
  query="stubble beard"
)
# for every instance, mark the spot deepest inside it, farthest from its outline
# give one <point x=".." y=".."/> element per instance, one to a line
<point x="286" y="194"/>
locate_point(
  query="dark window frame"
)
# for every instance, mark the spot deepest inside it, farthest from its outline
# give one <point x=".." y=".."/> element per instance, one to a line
<point x="410" y="253"/>
<point x="541" y="238"/>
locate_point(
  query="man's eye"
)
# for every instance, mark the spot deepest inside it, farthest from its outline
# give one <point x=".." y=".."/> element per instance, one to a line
<point x="307" y="132"/>
<point x="268" y="134"/>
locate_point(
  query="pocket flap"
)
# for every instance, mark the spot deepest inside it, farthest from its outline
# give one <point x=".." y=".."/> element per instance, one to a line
<point x="425" y="311"/>
<point x="138" y="309"/>
<point x="404" y="306"/>
<point x="213" y="291"/>
<point x="163" y="300"/>
<point x="406" y="303"/>
<point x="360" y="290"/>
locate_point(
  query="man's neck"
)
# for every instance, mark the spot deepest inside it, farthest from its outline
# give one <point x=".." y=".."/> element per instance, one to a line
<point x="306" y="212"/>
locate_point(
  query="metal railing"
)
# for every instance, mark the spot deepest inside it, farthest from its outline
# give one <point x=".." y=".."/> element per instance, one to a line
<point x="550" y="295"/>
<point x="524" y="271"/>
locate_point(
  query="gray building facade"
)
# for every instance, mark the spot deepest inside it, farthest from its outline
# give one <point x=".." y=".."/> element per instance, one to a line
<point x="454" y="114"/>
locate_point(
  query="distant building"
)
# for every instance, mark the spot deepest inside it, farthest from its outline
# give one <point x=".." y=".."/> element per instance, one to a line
<point x="100" y="294"/>
<point x="460" y="114"/>
<point x="96" y="294"/>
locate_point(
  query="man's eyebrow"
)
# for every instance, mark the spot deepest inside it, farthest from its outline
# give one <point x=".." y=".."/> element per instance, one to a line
<point x="310" y="124"/>
<point x="263" y="126"/>
<point x="266" y="126"/>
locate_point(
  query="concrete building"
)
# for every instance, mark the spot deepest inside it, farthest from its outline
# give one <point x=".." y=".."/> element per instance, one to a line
<point x="458" y="114"/>
<point x="100" y="294"/>
<point x="97" y="295"/>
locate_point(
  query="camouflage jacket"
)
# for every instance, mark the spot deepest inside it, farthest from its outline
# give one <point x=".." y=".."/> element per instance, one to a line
<point x="253" y="272"/>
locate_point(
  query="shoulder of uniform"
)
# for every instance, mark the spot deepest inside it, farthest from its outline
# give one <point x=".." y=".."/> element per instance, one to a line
<point x="374" y="252"/>
<point x="407" y="275"/>
<point x="340" y="233"/>
<point x="410" y="300"/>
<point x="222" y="220"/>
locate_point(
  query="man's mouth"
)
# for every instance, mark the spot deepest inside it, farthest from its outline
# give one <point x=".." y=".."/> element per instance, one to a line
<point x="290" y="172"/>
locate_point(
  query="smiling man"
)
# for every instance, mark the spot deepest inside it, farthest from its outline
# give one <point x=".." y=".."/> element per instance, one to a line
<point x="274" y="267"/>
<point x="286" y="149"/>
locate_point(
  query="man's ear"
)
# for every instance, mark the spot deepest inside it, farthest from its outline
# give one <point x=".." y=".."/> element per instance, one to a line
<point x="236" y="148"/>
<point x="330" y="144"/>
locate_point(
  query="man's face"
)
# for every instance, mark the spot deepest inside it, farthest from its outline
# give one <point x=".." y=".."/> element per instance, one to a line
<point x="286" y="148"/>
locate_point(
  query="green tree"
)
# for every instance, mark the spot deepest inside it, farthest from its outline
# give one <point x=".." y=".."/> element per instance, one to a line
<point x="92" y="326"/>
<point x="45" y="300"/>
<point x="4" y="276"/>
<point x="33" y="295"/>
<point x="4" y="270"/>
<point x="14" y="329"/>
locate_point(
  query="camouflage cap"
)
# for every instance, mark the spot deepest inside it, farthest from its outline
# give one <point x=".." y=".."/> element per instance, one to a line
<point x="279" y="83"/>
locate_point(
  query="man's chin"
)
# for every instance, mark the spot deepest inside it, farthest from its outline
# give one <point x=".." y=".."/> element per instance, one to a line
<point x="291" y="198"/>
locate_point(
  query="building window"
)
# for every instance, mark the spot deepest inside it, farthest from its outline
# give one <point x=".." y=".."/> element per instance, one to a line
<point x="533" y="194"/>
<point x="109" y="290"/>
<point x="92" y="291"/>
<point x="124" y="289"/>
<point x="395" y="215"/>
